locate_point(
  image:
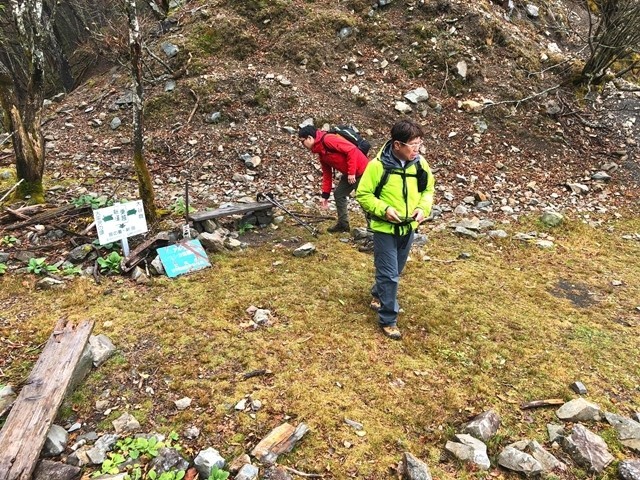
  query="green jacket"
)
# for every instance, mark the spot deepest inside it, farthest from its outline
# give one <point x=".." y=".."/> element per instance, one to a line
<point x="399" y="192"/>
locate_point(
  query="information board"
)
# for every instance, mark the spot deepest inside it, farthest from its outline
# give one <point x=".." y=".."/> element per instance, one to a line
<point x="183" y="258"/>
<point x="120" y="221"/>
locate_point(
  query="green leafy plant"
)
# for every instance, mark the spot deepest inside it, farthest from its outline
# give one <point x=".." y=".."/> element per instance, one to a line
<point x="172" y="438"/>
<point x="91" y="201"/>
<point x="39" y="266"/>
<point x="245" y="227"/>
<point x="8" y="240"/>
<point x="71" y="270"/>
<point x="172" y="475"/>
<point x="111" y="465"/>
<point x="135" y="473"/>
<point x="3" y="268"/>
<point x="218" y="474"/>
<point x="136" y="447"/>
<point x="110" y="263"/>
<point x="106" y="246"/>
<point x="179" y="208"/>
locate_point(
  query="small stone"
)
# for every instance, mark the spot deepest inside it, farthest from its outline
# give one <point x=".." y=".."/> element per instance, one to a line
<point x="579" y="388"/>
<point x="183" y="403"/>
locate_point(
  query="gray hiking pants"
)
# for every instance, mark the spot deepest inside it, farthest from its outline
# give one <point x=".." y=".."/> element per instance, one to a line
<point x="341" y="196"/>
<point x="390" y="254"/>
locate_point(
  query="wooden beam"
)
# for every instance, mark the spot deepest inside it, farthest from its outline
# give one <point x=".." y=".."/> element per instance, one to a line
<point x="234" y="209"/>
<point x="549" y="402"/>
<point x="26" y="428"/>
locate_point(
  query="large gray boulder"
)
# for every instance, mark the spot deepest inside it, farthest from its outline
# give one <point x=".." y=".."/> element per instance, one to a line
<point x="579" y="410"/>
<point x="484" y="426"/>
<point x="629" y="470"/>
<point x="414" y="468"/>
<point x="587" y="449"/>
<point x="519" y="461"/>
<point x="469" y="449"/>
<point x="628" y="430"/>
<point x="48" y="470"/>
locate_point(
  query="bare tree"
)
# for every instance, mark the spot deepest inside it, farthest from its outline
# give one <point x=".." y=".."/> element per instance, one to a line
<point x="145" y="187"/>
<point x="614" y="38"/>
<point x="22" y="94"/>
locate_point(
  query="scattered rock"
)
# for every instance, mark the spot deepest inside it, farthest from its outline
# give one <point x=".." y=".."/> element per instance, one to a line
<point x="519" y="461"/>
<point x="469" y="449"/>
<point x="206" y="460"/>
<point x="7" y="397"/>
<point x="628" y="430"/>
<point x="305" y="250"/>
<point x="484" y="426"/>
<point x="418" y="95"/>
<point x="579" y="388"/>
<point x="56" y="441"/>
<point x="414" y="469"/>
<point x="629" y="470"/>
<point x="169" y="459"/>
<point x="556" y="432"/>
<point x="247" y="472"/>
<point x="403" y="107"/>
<point x="125" y="423"/>
<point x="587" y="449"/>
<point x="101" y="349"/>
<point x="579" y="410"/>
<point x="48" y="470"/>
<point x="237" y="463"/>
<point x="183" y="403"/>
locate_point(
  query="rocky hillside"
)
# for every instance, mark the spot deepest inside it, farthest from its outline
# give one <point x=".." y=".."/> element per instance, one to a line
<point x="229" y="82"/>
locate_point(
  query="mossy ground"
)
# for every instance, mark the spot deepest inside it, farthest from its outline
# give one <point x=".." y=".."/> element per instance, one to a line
<point x="492" y="331"/>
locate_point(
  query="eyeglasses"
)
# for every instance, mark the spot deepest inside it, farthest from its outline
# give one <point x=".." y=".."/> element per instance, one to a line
<point x="412" y="145"/>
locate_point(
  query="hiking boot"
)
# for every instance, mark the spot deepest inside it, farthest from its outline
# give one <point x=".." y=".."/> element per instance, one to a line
<point x="367" y="246"/>
<point x="339" y="227"/>
<point x="391" y="331"/>
<point x="375" y="304"/>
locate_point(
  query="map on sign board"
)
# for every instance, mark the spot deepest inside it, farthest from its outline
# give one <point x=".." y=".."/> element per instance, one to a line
<point x="183" y="258"/>
<point x="120" y="221"/>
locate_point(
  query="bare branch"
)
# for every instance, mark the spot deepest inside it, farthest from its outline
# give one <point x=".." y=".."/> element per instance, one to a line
<point x="525" y="99"/>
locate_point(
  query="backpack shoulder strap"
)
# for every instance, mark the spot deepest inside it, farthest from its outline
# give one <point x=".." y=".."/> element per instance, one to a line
<point x="324" y="144"/>
<point x="382" y="182"/>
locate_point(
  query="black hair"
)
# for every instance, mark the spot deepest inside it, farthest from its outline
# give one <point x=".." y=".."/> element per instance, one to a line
<point x="307" y="131"/>
<point x="406" y="130"/>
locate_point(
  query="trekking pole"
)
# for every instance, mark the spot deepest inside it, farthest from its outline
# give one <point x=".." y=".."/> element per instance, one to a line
<point x="186" y="228"/>
<point x="269" y="197"/>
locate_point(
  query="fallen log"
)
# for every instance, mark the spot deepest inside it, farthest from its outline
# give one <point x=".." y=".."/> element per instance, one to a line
<point x="280" y="440"/>
<point x="550" y="402"/>
<point x="26" y="428"/>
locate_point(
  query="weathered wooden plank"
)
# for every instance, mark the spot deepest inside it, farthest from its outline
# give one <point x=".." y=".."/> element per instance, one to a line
<point x="234" y="209"/>
<point x="549" y="402"/>
<point x="280" y="440"/>
<point x="25" y="431"/>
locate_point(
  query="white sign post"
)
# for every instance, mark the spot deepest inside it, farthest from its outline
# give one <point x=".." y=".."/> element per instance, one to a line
<point x="119" y="221"/>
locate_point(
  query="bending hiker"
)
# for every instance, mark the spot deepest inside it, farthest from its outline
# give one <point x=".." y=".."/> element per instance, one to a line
<point x="335" y="153"/>
<point x="396" y="190"/>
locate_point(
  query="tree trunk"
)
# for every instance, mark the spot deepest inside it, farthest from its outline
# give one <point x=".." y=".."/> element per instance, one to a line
<point x="145" y="187"/>
<point x="24" y="106"/>
<point x="28" y="145"/>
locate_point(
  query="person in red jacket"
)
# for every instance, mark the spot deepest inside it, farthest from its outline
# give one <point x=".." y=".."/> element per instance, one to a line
<point x="335" y="153"/>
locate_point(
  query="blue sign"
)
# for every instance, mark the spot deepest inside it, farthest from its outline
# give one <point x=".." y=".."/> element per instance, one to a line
<point x="183" y="258"/>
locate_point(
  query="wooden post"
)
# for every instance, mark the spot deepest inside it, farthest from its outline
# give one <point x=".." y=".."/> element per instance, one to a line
<point x="33" y="412"/>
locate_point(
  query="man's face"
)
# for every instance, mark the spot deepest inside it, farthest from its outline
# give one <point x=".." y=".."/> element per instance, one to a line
<point x="407" y="151"/>
<point x="307" y="142"/>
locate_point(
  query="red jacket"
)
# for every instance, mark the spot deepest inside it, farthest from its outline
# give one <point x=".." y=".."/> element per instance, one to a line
<point x="337" y="153"/>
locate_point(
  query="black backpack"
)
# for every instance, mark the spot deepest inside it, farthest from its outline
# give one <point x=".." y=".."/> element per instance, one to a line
<point x="421" y="175"/>
<point x="350" y="134"/>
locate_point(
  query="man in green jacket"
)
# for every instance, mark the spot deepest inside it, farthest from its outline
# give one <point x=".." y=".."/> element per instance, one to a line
<point x="396" y="190"/>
